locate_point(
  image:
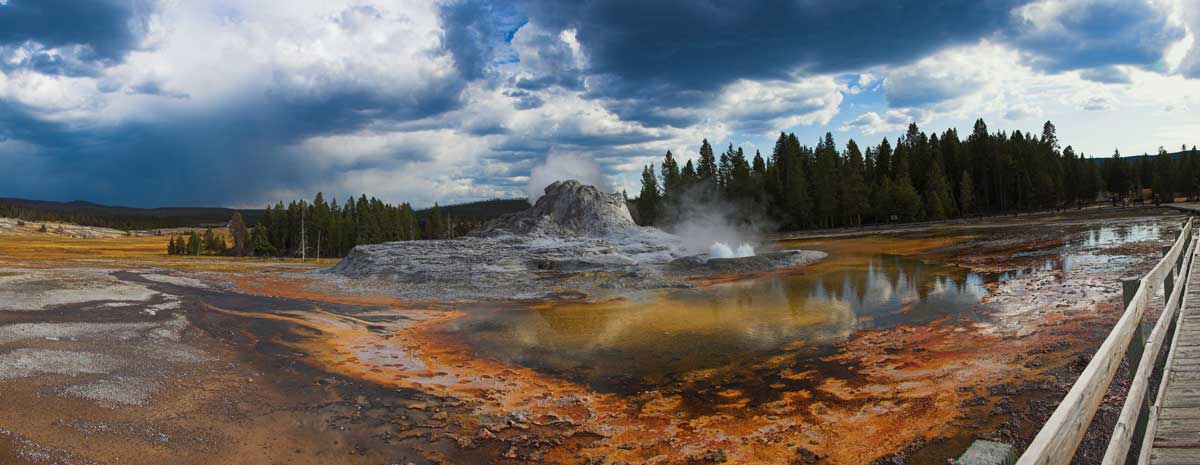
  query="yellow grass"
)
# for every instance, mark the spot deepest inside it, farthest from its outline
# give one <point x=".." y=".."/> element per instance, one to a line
<point x="50" y="250"/>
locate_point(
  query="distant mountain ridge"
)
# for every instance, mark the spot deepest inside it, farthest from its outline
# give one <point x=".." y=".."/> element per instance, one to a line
<point x="1173" y="155"/>
<point x="127" y="218"/>
<point x="87" y="213"/>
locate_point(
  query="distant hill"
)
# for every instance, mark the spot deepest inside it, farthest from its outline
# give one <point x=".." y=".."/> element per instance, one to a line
<point x="129" y="218"/>
<point x="126" y="218"/>
<point x="1130" y="158"/>
<point x="479" y="211"/>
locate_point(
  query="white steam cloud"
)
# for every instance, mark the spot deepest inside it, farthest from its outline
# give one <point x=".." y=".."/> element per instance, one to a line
<point x="722" y="250"/>
<point x="562" y="167"/>
<point x="707" y="224"/>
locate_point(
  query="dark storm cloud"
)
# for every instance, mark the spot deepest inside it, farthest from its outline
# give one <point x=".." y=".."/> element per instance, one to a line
<point x="468" y="33"/>
<point x="109" y="28"/>
<point x="649" y="58"/>
<point x="222" y="156"/>
<point x="1096" y="34"/>
<point x="472" y="30"/>
<point x="701" y="45"/>
<point x="204" y="160"/>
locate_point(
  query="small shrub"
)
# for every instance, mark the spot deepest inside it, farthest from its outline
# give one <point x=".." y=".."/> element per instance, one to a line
<point x="42" y="229"/>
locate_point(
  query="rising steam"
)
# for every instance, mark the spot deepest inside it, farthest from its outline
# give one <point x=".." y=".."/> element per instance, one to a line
<point x="705" y="223"/>
<point x="562" y="167"/>
<point x="722" y="250"/>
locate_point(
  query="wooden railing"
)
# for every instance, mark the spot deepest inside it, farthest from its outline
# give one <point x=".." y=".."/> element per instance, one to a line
<point x="1055" y="444"/>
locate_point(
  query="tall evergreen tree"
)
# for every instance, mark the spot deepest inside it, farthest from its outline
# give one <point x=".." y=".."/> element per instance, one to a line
<point x="648" y="200"/>
<point x="937" y="194"/>
<point x="193" y="244"/>
<point x="854" y="195"/>
<point x="1164" y="171"/>
<point x="672" y="185"/>
<point x="688" y="176"/>
<point x="237" y="229"/>
<point x="824" y="182"/>
<point x="706" y="168"/>
<point x="966" y="194"/>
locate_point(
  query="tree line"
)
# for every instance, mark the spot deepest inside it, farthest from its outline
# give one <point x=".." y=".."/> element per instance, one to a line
<point x="122" y="218"/>
<point x="193" y="243"/>
<point x="918" y="177"/>
<point x="329" y="229"/>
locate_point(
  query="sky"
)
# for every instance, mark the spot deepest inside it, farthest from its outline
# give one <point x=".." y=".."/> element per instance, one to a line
<point x="241" y="103"/>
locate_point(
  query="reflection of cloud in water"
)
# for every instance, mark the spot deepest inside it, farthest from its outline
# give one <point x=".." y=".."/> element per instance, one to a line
<point x="1123" y="234"/>
<point x="659" y="334"/>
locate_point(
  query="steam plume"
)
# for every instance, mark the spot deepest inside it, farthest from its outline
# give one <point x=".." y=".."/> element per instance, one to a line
<point x="562" y="167"/>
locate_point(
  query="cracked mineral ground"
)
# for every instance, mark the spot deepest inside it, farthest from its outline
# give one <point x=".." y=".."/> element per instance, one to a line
<point x="901" y="346"/>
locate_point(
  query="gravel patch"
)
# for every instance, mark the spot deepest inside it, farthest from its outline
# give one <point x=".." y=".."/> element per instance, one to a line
<point x="177" y="280"/>
<point x="116" y="391"/>
<point x="32" y="452"/>
<point x="37" y="290"/>
<point x="23" y="363"/>
<point x="60" y="331"/>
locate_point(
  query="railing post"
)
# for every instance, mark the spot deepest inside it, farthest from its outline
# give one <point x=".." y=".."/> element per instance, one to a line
<point x="1169" y="280"/>
<point x="1133" y="354"/>
<point x="1129" y="288"/>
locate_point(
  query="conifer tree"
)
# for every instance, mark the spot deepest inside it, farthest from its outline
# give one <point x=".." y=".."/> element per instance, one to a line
<point x="671" y="183"/>
<point x="688" y="176"/>
<point x="193" y="244"/>
<point x="824" y="182"/>
<point x="740" y="182"/>
<point x="706" y="168"/>
<point x="966" y="194"/>
<point x="648" y="200"/>
<point x="237" y="229"/>
<point x="853" y="195"/>
<point x="797" y="201"/>
<point x="1163" y="180"/>
<point x="209" y="241"/>
<point x="937" y="194"/>
<point x="260" y="243"/>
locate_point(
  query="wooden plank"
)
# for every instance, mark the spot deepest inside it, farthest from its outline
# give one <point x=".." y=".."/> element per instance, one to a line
<point x="1172" y="424"/>
<point x="1185" y="376"/>
<point x="1182" y="402"/>
<point x="1175" y="456"/>
<point x="1189" y="439"/>
<point x="1178" y="413"/>
<point x="1184" y="390"/>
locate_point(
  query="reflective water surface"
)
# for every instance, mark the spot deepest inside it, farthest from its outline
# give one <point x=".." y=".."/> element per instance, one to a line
<point x="646" y="339"/>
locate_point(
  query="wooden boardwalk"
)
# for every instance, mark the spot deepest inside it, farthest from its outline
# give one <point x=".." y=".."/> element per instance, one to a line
<point x="1176" y="426"/>
<point x="1164" y="430"/>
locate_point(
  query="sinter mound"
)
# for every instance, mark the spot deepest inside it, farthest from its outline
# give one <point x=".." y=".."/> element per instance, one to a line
<point x="568" y="209"/>
<point x="574" y="230"/>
